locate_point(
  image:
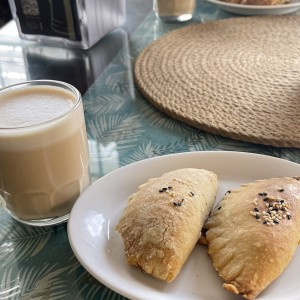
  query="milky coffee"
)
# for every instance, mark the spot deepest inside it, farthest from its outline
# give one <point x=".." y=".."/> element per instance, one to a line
<point x="43" y="151"/>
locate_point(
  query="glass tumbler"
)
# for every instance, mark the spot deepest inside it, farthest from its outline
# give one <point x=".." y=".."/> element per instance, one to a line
<point x="174" y="10"/>
<point x="44" y="157"/>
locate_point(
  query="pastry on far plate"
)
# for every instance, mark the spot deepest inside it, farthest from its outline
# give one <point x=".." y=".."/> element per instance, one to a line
<point x="163" y="220"/>
<point x="257" y="2"/>
<point x="253" y="233"/>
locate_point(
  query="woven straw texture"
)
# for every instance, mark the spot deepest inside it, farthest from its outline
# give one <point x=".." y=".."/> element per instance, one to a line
<point x="239" y="78"/>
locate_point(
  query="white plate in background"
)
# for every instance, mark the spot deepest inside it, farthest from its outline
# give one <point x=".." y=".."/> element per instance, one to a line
<point x="243" y="9"/>
<point x="99" y="248"/>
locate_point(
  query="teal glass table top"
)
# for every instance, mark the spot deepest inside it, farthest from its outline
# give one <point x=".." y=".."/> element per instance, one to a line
<point x="122" y="127"/>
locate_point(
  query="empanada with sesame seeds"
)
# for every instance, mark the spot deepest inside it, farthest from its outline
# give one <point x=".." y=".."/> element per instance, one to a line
<point x="163" y="220"/>
<point x="253" y="233"/>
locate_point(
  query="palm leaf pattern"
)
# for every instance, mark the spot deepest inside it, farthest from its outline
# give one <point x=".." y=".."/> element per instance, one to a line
<point x="105" y="104"/>
<point x="20" y="242"/>
<point x="33" y="283"/>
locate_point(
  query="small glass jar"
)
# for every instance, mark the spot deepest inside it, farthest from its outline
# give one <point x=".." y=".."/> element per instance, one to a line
<point x="174" y="10"/>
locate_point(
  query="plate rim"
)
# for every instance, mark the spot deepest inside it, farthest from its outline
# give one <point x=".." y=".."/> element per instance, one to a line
<point x="255" y="7"/>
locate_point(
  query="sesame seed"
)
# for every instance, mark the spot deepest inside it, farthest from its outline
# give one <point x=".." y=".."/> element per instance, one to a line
<point x="281" y="190"/>
<point x="262" y="194"/>
<point x="275" y="210"/>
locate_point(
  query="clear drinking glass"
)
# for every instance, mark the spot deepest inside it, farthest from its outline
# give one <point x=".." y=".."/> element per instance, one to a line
<point x="174" y="10"/>
<point x="44" y="157"/>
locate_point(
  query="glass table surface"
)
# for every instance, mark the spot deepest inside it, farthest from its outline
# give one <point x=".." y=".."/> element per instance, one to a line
<point x="122" y="127"/>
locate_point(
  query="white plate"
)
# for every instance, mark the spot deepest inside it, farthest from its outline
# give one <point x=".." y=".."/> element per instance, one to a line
<point x="99" y="248"/>
<point x="257" y="10"/>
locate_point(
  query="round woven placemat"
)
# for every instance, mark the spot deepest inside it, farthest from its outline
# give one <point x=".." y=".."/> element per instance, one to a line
<point x="239" y="78"/>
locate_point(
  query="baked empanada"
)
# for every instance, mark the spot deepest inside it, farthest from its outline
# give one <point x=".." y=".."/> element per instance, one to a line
<point x="163" y="219"/>
<point x="253" y="233"/>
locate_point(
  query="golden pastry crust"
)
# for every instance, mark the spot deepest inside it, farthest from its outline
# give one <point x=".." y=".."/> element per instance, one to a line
<point x="253" y="234"/>
<point x="163" y="219"/>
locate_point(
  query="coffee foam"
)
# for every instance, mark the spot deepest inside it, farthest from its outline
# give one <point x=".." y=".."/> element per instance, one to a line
<point x="33" y="105"/>
<point x="33" y="117"/>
